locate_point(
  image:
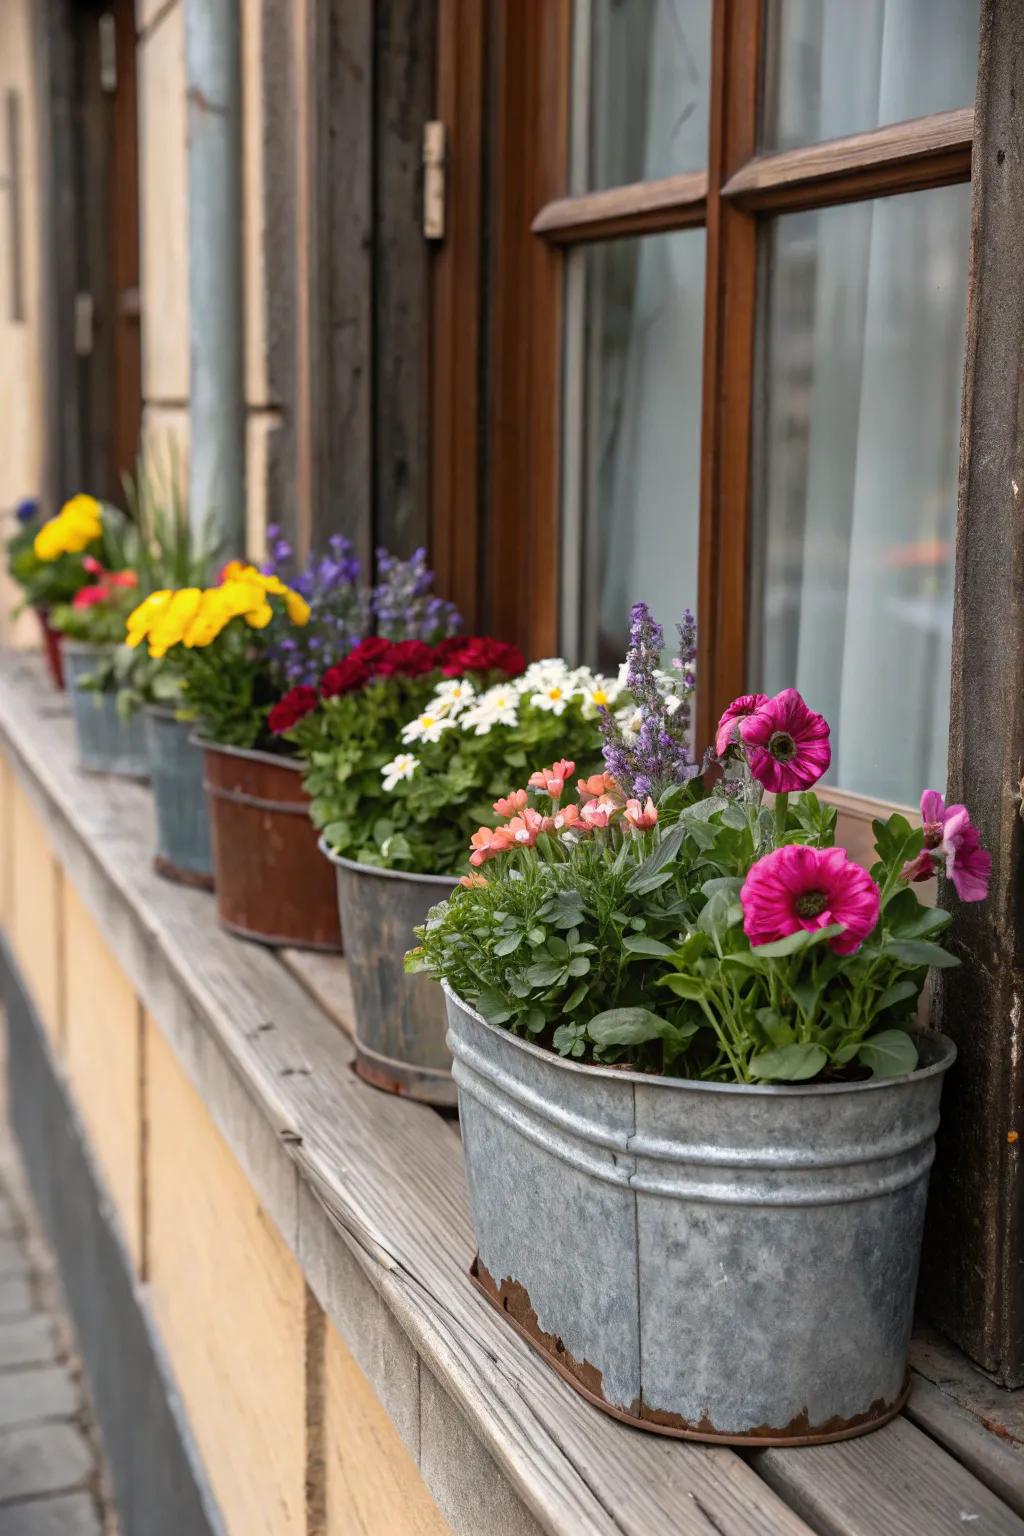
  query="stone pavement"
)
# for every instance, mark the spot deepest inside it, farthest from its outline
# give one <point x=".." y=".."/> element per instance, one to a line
<point x="52" y="1480"/>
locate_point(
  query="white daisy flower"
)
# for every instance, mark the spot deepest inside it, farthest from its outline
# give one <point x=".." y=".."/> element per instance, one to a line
<point x="631" y="720"/>
<point x="553" y="696"/>
<point x="453" y="695"/>
<point x="498" y="706"/>
<point x="427" y="727"/>
<point x="401" y="767"/>
<point x="598" y="691"/>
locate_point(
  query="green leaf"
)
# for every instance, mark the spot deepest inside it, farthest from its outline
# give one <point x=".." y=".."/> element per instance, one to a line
<point x="579" y="965"/>
<point x="917" y="952"/>
<point x="778" y="1031"/>
<point x="720" y="914"/>
<point x="899" y="992"/>
<point x="650" y="883"/>
<point x="793" y="943"/>
<point x="665" y="851"/>
<point x="890" y="1053"/>
<point x="628" y="1026"/>
<point x="557" y="948"/>
<point x="544" y="974"/>
<point x="493" y="1006"/>
<point x="789" y="1064"/>
<point x="640" y="944"/>
<point x="509" y="944"/>
<point x="689" y="987"/>
<point x="575" y="997"/>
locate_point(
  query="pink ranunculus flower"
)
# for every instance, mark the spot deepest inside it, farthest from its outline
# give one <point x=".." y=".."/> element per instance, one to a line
<point x="786" y="743"/>
<point x="512" y="804"/>
<point x="797" y="887"/>
<point x="552" y="780"/>
<point x="642" y="817"/>
<point x="954" y="839"/>
<point x="728" y="726"/>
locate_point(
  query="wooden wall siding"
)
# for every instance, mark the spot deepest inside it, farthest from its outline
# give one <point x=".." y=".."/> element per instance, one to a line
<point x="372" y="1483"/>
<point x="368" y="269"/>
<point x="973" y="1276"/>
<point x="102" y="1048"/>
<point x="230" y="1304"/>
<point x="35" y="918"/>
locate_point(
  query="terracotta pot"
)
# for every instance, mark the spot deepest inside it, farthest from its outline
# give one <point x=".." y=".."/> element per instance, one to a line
<point x="271" y="880"/>
<point x="52" y="647"/>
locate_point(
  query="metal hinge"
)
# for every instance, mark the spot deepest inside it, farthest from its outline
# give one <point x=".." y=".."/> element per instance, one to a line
<point x="108" y="53"/>
<point x="434" y="156"/>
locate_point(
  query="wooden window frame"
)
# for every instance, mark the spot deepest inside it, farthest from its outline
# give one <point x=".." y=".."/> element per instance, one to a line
<point x="534" y="224"/>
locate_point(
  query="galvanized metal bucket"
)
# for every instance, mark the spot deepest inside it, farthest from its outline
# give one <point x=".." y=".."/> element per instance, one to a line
<point x="400" y="1020"/>
<point x="719" y="1262"/>
<point x="272" y="883"/>
<point x="107" y="742"/>
<point x="182" y="826"/>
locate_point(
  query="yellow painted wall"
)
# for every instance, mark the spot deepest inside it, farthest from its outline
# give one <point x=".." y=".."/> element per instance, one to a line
<point x="35" y="919"/>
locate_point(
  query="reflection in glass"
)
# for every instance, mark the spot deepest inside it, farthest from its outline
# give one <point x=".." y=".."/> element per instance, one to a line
<point x="855" y="491"/>
<point x="634" y="429"/>
<point x="834" y="67"/>
<point x="642" y="74"/>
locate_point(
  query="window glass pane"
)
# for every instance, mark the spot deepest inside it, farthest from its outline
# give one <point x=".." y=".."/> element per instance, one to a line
<point x="632" y="420"/>
<point x="834" y="67"/>
<point x="857" y="450"/>
<point x="641" y="87"/>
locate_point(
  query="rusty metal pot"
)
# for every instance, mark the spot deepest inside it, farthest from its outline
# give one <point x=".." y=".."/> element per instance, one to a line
<point x="176" y="775"/>
<point x="53" y="642"/>
<point x="108" y="742"/>
<point x="400" y="1020"/>
<point x="723" y="1262"/>
<point x="272" y="883"/>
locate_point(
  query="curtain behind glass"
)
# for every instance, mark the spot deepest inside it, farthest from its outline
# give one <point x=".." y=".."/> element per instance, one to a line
<point x="861" y="370"/>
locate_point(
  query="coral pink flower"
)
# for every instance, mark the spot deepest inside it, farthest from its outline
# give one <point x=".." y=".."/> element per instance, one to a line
<point x="565" y="817"/>
<point x="487" y="843"/>
<point x="786" y="743"/>
<point x="599" y="812"/>
<point x="797" y="887"/>
<point x="597" y="784"/>
<point x="473" y="882"/>
<point x="642" y="817"/>
<point x="509" y="805"/>
<point x="728" y="727"/>
<point x="525" y="829"/>
<point x="954" y="839"/>
<point x="552" y="780"/>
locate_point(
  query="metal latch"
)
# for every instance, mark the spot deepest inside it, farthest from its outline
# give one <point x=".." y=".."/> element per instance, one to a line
<point x="434" y="155"/>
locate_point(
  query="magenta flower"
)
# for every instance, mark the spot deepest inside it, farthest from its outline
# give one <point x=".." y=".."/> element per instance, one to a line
<point x="797" y="887"/>
<point x="951" y="838"/>
<point x="786" y="743"/>
<point x="728" y="726"/>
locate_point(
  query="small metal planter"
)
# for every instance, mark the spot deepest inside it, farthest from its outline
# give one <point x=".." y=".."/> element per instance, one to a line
<point x="713" y="1261"/>
<point x="176" y="773"/>
<point x="53" y="642"/>
<point x="400" y="1020"/>
<point x="107" y="742"/>
<point x="271" y="882"/>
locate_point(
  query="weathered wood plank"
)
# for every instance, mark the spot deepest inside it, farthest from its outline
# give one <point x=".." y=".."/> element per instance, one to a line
<point x="326" y="979"/>
<point x="972" y="1274"/>
<point x="35" y="925"/>
<point x="996" y="1461"/>
<point x="940" y="1362"/>
<point x="895" y="1480"/>
<point x="102" y="1050"/>
<point x="230" y="1302"/>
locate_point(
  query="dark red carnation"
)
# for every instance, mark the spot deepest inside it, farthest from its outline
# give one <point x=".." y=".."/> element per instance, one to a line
<point x="479" y="653"/>
<point x="370" y="650"/>
<point x="412" y="658"/>
<point x="346" y="677"/>
<point x="294" y="707"/>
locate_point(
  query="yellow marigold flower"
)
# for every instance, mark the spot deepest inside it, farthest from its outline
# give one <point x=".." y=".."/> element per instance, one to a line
<point x="211" y="615"/>
<point x="141" y="619"/>
<point x="297" y="607"/>
<point x="78" y="523"/>
<point x="295" y="604"/>
<point x="171" y="624"/>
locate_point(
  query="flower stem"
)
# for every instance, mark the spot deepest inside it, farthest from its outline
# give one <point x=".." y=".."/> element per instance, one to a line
<point x="781" y="812"/>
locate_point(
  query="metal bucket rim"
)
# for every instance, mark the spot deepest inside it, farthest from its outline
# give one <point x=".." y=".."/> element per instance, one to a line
<point x="164" y="712"/>
<point x="449" y="881"/>
<point x="87" y="647"/>
<point x="946" y="1047"/>
<point x="252" y="754"/>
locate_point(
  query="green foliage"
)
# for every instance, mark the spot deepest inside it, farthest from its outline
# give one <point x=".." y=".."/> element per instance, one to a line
<point x="228" y="688"/>
<point x="667" y="979"/>
<point x="425" y="822"/>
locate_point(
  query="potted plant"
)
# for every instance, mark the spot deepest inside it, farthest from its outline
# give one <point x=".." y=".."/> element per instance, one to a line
<point x="697" y="1118"/>
<point x="43" y="558"/>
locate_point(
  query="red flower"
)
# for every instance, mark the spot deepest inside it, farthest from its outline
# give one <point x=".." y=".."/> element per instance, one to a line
<point x="478" y="653"/>
<point x="797" y="887"/>
<point x="294" y="707"/>
<point x="786" y="743"/>
<point x="87" y="597"/>
<point x="370" y="650"/>
<point x="408" y="658"/>
<point x="345" y="677"/>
